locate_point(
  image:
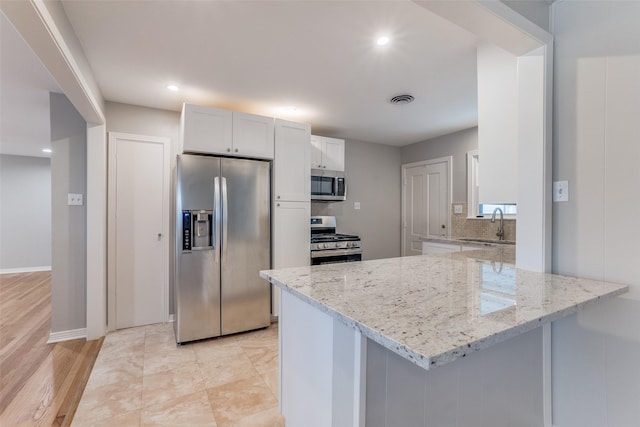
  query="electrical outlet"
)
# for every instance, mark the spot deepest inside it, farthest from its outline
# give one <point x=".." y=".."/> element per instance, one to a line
<point x="74" y="199"/>
<point x="561" y="191"/>
<point x="356" y="205"/>
<point x="457" y="209"/>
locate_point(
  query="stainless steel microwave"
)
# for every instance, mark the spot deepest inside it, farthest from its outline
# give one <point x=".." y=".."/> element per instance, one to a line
<point x="328" y="185"/>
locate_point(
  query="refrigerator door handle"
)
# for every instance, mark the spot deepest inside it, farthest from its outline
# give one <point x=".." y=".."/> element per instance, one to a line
<point x="216" y="212"/>
<point x="224" y="219"/>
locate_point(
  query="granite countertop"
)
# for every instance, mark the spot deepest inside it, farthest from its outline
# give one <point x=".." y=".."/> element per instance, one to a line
<point x="433" y="309"/>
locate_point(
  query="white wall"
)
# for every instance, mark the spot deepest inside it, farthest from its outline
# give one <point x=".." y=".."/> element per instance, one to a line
<point x="373" y="179"/>
<point x="455" y="144"/>
<point x="25" y="213"/>
<point x="536" y="11"/>
<point x="596" y="374"/>
<point x="144" y="121"/>
<point x="69" y="248"/>
<point x="497" y="124"/>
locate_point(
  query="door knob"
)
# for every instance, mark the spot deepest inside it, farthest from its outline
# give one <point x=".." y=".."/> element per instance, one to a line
<point x="159" y="236"/>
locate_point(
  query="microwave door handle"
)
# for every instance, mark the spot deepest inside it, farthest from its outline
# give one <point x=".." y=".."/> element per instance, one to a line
<point x="335" y="186"/>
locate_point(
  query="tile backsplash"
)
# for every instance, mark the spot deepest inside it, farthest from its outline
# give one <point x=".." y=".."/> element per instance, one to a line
<point x="480" y="228"/>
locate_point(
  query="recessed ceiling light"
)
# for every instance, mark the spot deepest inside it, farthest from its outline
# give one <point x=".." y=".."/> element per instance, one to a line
<point x="172" y="87"/>
<point x="383" y="41"/>
<point x="46" y="150"/>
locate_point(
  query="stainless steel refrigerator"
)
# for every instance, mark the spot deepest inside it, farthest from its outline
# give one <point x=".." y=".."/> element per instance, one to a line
<point x="223" y="239"/>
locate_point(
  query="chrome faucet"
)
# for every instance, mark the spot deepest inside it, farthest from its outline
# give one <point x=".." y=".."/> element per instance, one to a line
<point x="500" y="232"/>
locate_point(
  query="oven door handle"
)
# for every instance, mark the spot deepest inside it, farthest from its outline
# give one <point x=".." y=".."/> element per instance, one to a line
<point x="335" y="252"/>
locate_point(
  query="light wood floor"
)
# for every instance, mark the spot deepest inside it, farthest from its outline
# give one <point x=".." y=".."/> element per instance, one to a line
<point x="40" y="383"/>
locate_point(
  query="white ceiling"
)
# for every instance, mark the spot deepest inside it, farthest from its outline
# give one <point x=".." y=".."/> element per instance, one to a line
<point x="258" y="57"/>
<point x="24" y="105"/>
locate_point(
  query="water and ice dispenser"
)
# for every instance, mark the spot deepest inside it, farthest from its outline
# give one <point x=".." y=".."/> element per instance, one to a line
<point x="197" y="230"/>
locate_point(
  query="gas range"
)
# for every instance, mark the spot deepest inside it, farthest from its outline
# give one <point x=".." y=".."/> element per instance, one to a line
<point x="327" y="246"/>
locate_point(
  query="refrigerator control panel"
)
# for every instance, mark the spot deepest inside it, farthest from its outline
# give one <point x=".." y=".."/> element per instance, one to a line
<point x="186" y="230"/>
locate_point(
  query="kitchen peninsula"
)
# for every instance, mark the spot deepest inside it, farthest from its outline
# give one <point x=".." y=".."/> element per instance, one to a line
<point x="395" y="342"/>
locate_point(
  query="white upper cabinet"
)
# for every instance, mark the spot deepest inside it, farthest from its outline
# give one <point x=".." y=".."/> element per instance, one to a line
<point x="206" y="129"/>
<point x="316" y="152"/>
<point x="327" y="153"/>
<point x="217" y="131"/>
<point x="252" y="135"/>
<point x="292" y="171"/>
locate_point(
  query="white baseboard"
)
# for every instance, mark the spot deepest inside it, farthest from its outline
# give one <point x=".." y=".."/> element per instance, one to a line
<point x="24" y="269"/>
<point x="72" y="334"/>
<point x="172" y="318"/>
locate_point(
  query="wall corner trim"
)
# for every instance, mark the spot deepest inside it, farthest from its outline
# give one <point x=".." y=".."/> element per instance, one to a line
<point x="72" y="334"/>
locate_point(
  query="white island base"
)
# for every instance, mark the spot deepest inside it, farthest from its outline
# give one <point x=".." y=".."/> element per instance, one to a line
<point x="460" y="339"/>
<point x="331" y="375"/>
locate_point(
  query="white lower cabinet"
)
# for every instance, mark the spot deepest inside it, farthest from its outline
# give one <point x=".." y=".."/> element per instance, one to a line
<point x="291" y="239"/>
<point x="439" y="248"/>
<point x="445" y="248"/>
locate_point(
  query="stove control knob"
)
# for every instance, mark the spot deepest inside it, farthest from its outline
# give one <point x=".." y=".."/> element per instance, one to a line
<point x="325" y="246"/>
<point x="348" y="244"/>
<point x="337" y="245"/>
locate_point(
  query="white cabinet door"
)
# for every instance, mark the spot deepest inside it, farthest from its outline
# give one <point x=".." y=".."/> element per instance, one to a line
<point x="333" y="154"/>
<point x="206" y="130"/>
<point x="292" y="234"/>
<point x="253" y="135"/>
<point x="291" y="240"/>
<point x="316" y="152"/>
<point x="327" y="153"/>
<point x="439" y="248"/>
<point x="292" y="171"/>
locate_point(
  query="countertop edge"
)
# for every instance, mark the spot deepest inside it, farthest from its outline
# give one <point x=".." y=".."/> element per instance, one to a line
<point x="480" y="243"/>
<point x="434" y="361"/>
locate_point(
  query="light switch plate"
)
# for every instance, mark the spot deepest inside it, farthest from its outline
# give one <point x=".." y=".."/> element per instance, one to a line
<point x="561" y="191"/>
<point x="356" y="205"/>
<point x="457" y="209"/>
<point x="74" y="199"/>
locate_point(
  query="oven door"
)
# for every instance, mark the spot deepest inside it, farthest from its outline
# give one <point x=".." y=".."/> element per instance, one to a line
<point x="328" y="257"/>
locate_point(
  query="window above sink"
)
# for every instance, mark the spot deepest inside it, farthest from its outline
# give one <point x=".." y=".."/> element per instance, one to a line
<point x="477" y="209"/>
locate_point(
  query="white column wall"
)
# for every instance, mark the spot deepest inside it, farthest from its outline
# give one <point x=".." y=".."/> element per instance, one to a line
<point x="596" y="375"/>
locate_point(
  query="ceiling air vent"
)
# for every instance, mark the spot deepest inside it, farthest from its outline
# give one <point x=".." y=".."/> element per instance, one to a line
<point x="402" y="99"/>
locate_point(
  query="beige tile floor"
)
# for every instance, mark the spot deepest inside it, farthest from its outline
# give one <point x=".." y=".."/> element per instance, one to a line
<point x="141" y="378"/>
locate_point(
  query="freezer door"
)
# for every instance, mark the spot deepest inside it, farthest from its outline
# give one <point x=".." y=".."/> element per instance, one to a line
<point x="246" y="244"/>
<point x="197" y="280"/>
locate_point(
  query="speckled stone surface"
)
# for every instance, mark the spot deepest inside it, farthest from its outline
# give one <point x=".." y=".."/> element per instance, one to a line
<point x="434" y="309"/>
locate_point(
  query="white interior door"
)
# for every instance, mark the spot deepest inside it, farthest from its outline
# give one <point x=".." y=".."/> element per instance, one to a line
<point x="415" y="207"/>
<point x="438" y="201"/>
<point x="426" y="200"/>
<point x="138" y="229"/>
